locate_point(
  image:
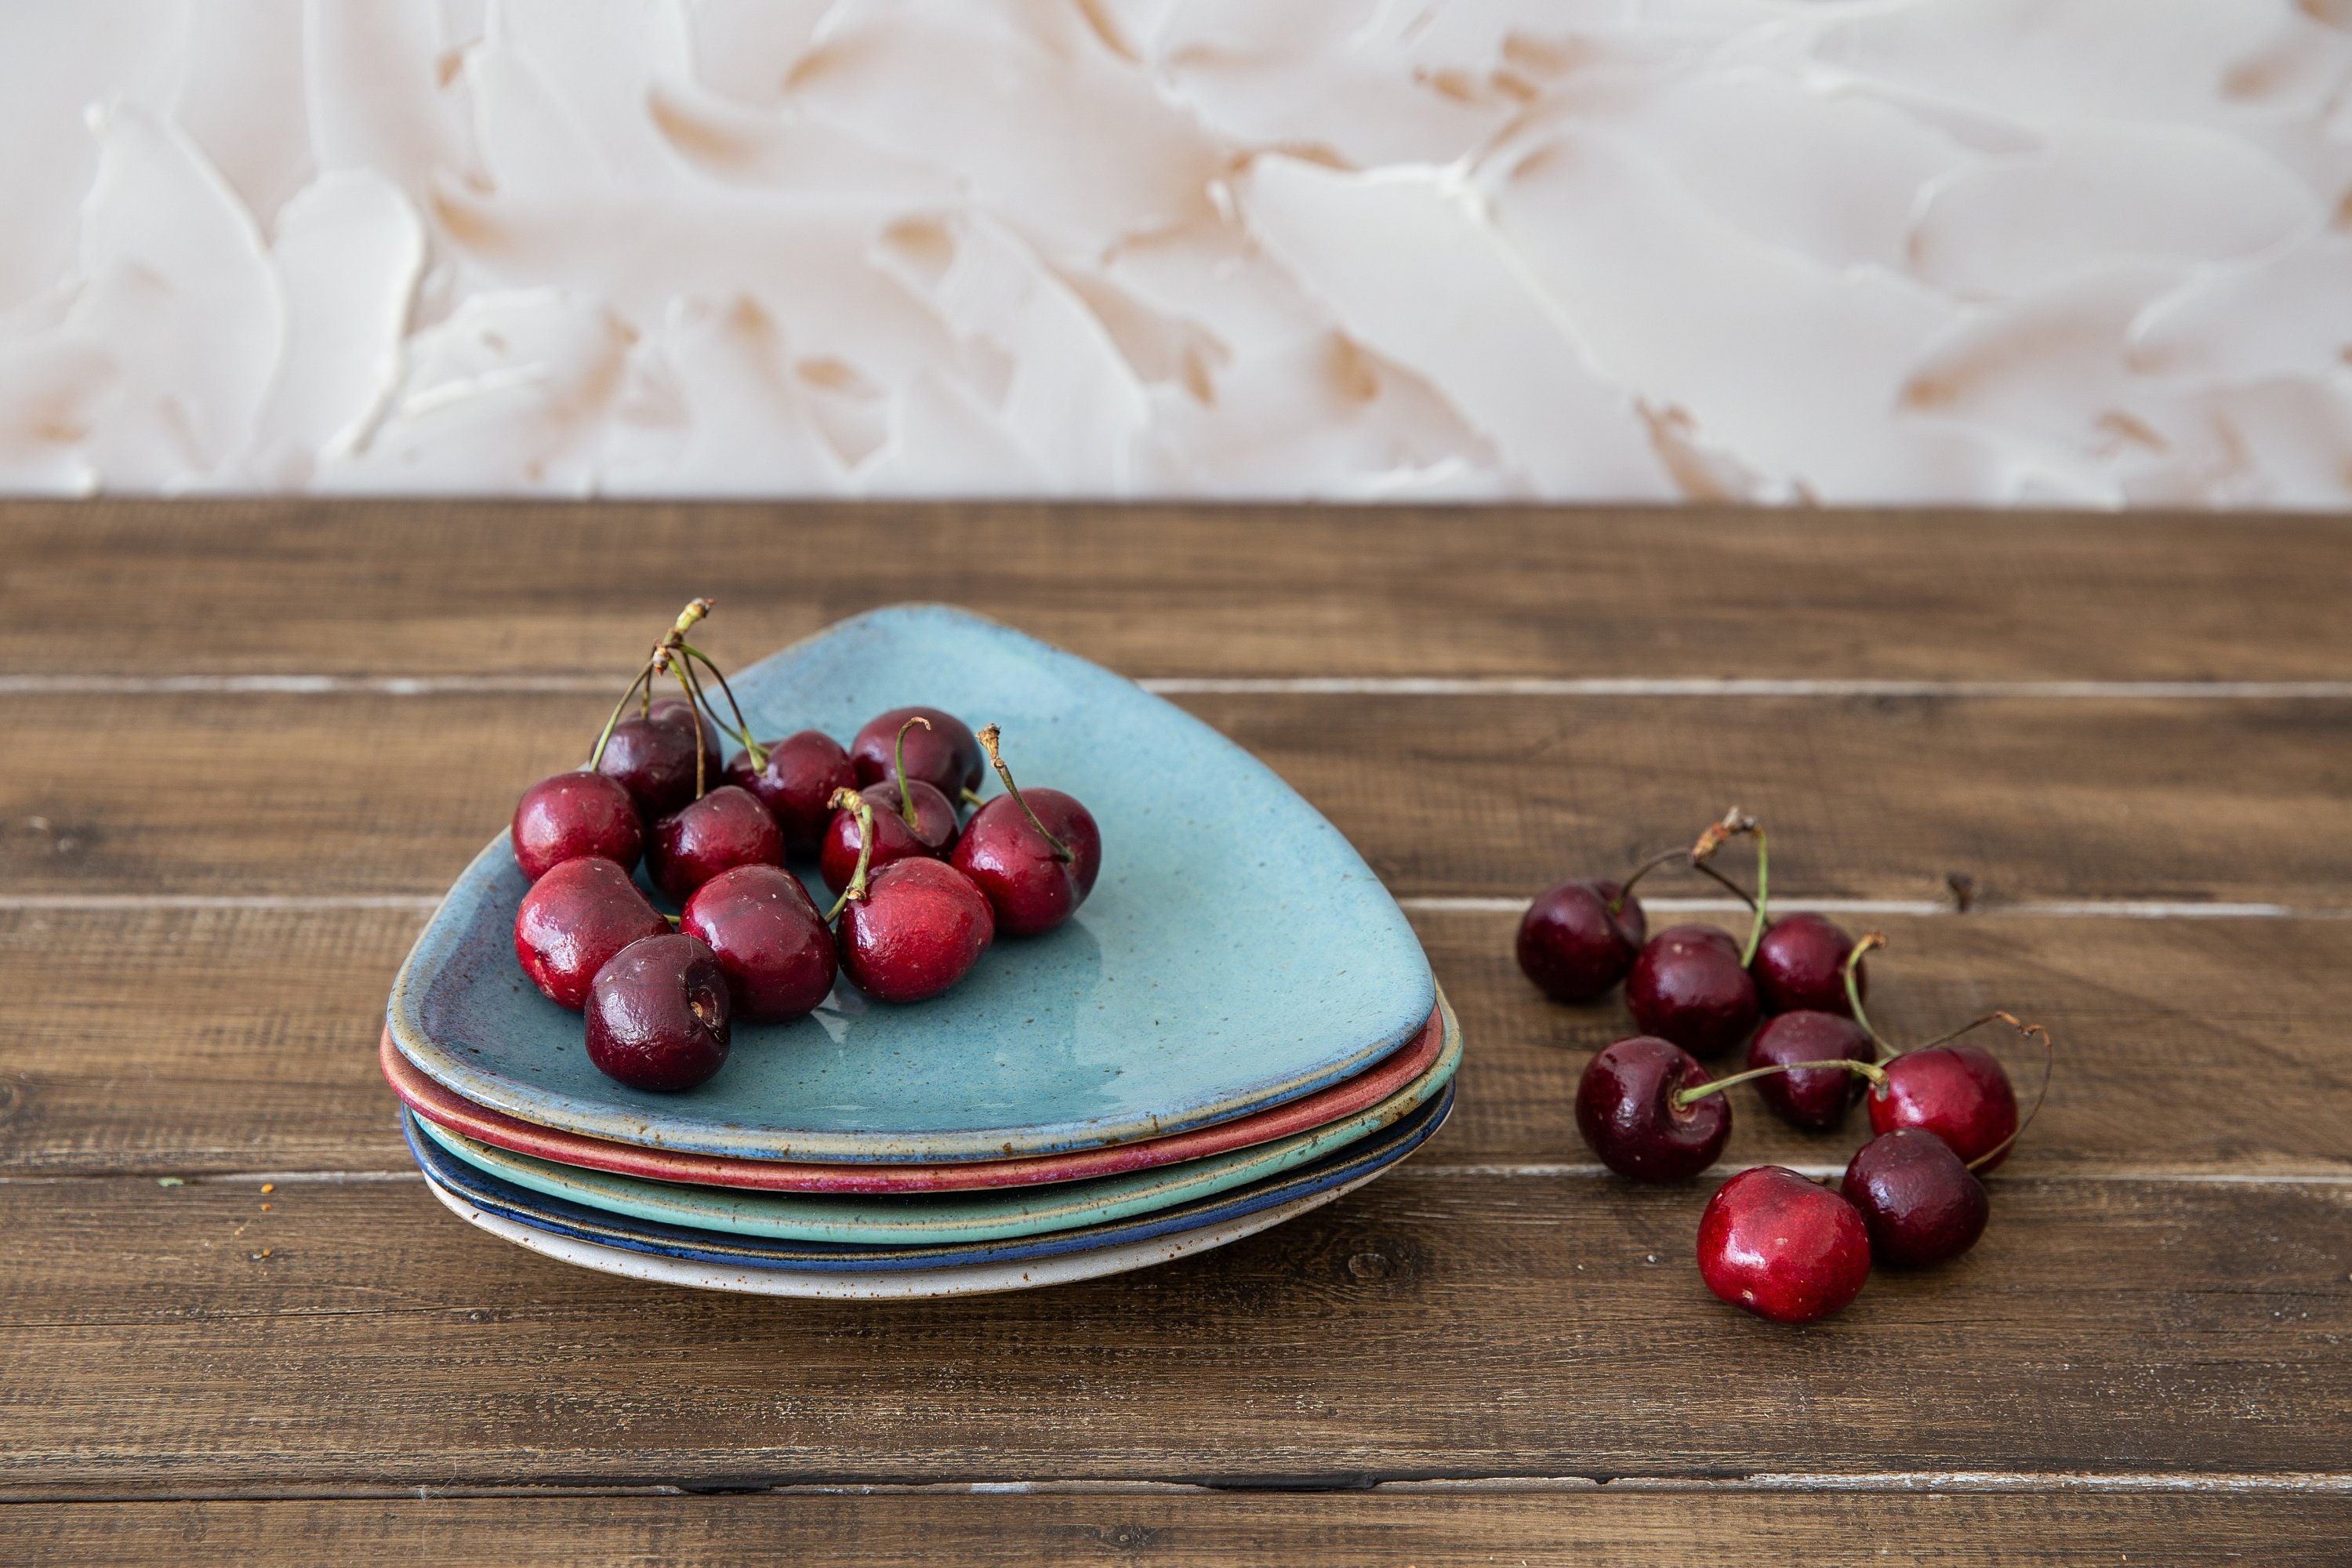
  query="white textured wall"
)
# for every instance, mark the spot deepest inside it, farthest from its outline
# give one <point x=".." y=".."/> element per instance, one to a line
<point x="2087" y="251"/>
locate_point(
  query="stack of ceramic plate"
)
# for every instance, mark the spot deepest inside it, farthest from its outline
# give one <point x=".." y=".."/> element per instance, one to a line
<point x="1237" y="1027"/>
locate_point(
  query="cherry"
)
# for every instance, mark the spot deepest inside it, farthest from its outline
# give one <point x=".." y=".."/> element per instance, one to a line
<point x="945" y="755"/>
<point x="1688" y="985"/>
<point x="1958" y="1093"/>
<point x="1630" y="1109"/>
<point x="1579" y="939"/>
<point x="770" y="939"/>
<point x="726" y="828"/>
<point x="677" y="710"/>
<point x="1919" y="1202"/>
<point x="575" y="814"/>
<point x="654" y="759"/>
<point x="1799" y="962"/>
<point x="911" y="930"/>
<point x="912" y="818"/>
<point x="1815" y="1099"/>
<point x="658" y="1015"/>
<point x="1781" y="1247"/>
<point x="1036" y="855"/>
<point x="796" y="783"/>
<point x="573" y="921"/>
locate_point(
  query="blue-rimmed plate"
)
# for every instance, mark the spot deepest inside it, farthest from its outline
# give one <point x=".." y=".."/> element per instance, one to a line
<point x="1237" y="953"/>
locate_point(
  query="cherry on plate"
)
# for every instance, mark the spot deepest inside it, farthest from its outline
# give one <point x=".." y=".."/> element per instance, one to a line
<point x="1036" y="853"/>
<point x="726" y="828"/>
<point x="653" y="759"/>
<point x="920" y="929"/>
<point x="576" y="815"/>
<point x="1815" y="1099"/>
<point x="1801" y="964"/>
<point x="1958" y="1093"/>
<point x="893" y="840"/>
<point x="946" y="755"/>
<point x="686" y="716"/>
<point x="573" y="921"/>
<point x="1920" y="1203"/>
<point x="1688" y="986"/>
<point x="1574" y="946"/>
<point x="1781" y="1247"/>
<point x="1627" y="1108"/>
<point x="658" y="1015"/>
<point x="797" y="784"/>
<point x="770" y="939"/>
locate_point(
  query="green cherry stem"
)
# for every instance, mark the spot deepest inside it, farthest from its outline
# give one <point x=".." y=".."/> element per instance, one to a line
<point x="694" y="715"/>
<point x="1869" y="940"/>
<point x="1625" y="890"/>
<point x="645" y="672"/>
<point x="1871" y="1070"/>
<point x="1736" y="823"/>
<point x="989" y="737"/>
<point x="898" y="760"/>
<point x="851" y="801"/>
<point x="971" y="797"/>
<point x="2049" y="1065"/>
<point x="742" y="731"/>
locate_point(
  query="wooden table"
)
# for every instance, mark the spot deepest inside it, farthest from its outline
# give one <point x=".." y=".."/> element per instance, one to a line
<point x="247" y="744"/>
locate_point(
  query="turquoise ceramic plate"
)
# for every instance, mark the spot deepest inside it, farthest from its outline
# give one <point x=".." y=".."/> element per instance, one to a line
<point x="1236" y="954"/>
<point x="892" y="1221"/>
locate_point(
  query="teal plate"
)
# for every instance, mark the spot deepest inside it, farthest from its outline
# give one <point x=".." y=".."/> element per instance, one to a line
<point x="884" y="1221"/>
<point x="1237" y="953"/>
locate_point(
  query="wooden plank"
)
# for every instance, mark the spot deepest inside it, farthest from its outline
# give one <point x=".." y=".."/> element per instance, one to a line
<point x="244" y="1040"/>
<point x="1600" y="1528"/>
<point x="186" y="1341"/>
<point x="404" y="586"/>
<point x="2035" y="799"/>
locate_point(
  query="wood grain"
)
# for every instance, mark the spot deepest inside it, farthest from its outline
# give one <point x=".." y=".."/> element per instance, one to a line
<point x="244" y="1040"/>
<point x="1595" y="1529"/>
<point x="174" y="1340"/>
<point x="403" y="587"/>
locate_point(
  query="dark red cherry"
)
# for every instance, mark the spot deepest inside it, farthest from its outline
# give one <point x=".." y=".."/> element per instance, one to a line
<point x="1572" y="947"/>
<point x="654" y="759"/>
<point x="946" y="756"/>
<point x="1958" y="1093"/>
<point x="1816" y="1099"/>
<point x="660" y="1017"/>
<point x="1800" y="962"/>
<point x="1686" y="985"/>
<point x="726" y="828"/>
<point x="573" y="921"/>
<point x="1781" y="1247"/>
<point x="920" y="929"/>
<point x="1028" y="885"/>
<point x="770" y="939"/>
<point x="1625" y="1108"/>
<point x="797" y="785"/>
<point x="677" y="710"/>
<point x="1919" y="1202"/>
<point x="893" y="839"/>
<point x="575" y="815"/>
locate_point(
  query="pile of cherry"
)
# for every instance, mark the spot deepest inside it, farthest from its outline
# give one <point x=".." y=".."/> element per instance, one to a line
<point x="1771" y="1241"/>
<point x="923" y="890"/>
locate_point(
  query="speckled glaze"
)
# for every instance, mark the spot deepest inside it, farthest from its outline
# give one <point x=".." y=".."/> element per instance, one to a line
<point x="1237" y="953"/>
<point x="1366" y="1157"/>
<point x="991" y="1216"/>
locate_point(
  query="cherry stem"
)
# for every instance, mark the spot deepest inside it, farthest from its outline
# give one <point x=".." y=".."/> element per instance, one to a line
<point x="695" y="609"/>
<point x="2049" y="1065"/>
<point x="1617" y="905"/>
<point x="1870" y="939"/>
<point x="906" y="796"/>
<point x="971" y="797"/>
<point x="1870" y="1070"/>
<point x="676" y="667"/>
<point x="643" y="673"/>
<point x="989" y="737"/>
<point x="742" y="731"/>
<point x="851" y="801"/>
<point x="1736" y="823"/>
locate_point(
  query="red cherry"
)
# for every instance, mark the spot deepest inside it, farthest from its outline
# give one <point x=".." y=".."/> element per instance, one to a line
<point x="677" y="710"/>
<point x="945" y="756"/>
<point x="1782" y="1246"/>
<point x="726" y="828"/>
<point x="1920" y="1203"/>
<point x="1625" y="1107"/>
<point x="1035" y="854"/>
<point x="770" y="939"/>
<point x="797" y="785"/>
<point x="920" y="929"/>
<point x="893" y="840"/>
<point x="658" y="1015"/>
<point x="575" y="815"/>
<point x="1801" y="964"/>
<point x="573" y="921"/>
<point x="653" y="758"/>
<point x="1958" y="1093"/>
<point x="1572" y="947"/>
<point x="1688" y="986"/>
<point x="1815" y="1099"/>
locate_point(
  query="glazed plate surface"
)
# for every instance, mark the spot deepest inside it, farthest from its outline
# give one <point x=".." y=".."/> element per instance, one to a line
<point x="1237" y="953"/>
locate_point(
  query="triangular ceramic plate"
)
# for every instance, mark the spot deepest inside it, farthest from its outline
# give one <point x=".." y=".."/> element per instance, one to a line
<point x="1237" y="953"/>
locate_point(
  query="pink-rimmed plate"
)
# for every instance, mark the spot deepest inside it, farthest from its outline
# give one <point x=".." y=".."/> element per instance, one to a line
<point x="448" y="1109"/>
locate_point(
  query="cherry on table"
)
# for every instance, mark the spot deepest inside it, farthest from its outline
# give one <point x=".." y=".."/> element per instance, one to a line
<point x="726" y="828"/>
<point x="1035" y="854"/>
<point x="658" y="1017"/>
<point x="1815" y="1099"/>
<point x="946" y="755"/>
<point x="1919" y="1201"/>
<point x="1958" y="1093"/>
<point x="1688" y="985"/>
<point x="1574" y="946"/>
<point x="797" y="785"/>
<point x="767" y="935"/>
<point x="575" y="815"/>
<point x="1799" y="962"/>
<point x="933" y="835"/>
<point x="920" y="928"/>
<point x="1781" y="1247"/>
<point x="1628" y="1109"/>
<point x="572" y="923"/>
